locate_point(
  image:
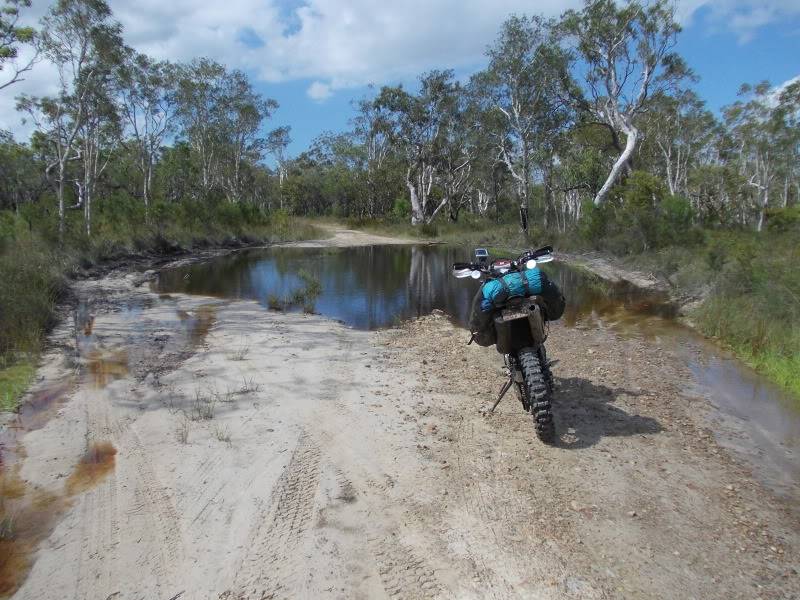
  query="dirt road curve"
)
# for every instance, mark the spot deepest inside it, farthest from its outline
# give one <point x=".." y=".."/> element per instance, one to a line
<point x="264" y="455"/>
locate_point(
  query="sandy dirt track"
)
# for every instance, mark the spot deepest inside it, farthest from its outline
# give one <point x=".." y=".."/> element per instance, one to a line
<point x="270" y="455"/>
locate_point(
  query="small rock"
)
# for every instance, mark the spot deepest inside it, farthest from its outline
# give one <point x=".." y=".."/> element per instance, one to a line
<point x="632" y="513"/>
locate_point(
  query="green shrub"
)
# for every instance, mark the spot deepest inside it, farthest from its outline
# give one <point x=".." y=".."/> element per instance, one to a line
<point x="32" y="283"/>
<point x="639" y="215"/>
<point x="401" y="210"/>
<point x="430" y="230"/>
<point x="783" y="220"/>
<point x="754" y="304"/>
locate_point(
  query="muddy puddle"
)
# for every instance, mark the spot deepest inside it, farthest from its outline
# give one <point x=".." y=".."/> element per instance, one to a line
<point x="106" y="354"/>
<point x="40" y="406"/>
<point x="24" y="523"/>
<point x="28" y="515"/>
<point x="380" y="286"/>
<point x="102" y="355"/>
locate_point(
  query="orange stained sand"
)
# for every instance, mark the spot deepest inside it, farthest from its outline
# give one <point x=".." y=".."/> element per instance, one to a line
<point x="106" y="367"/>
<point x="24" y="523"/>
<point x="95" y="465"/>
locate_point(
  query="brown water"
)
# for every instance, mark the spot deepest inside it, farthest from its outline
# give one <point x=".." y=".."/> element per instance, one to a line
<point x="28" y="515"/>
<point x="94" y="466"/>
<point x="379" y="286"/>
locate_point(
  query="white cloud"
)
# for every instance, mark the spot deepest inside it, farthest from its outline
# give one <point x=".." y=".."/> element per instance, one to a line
<point x="319" y="91"/>
<point x="337" y="44"/>
<point x="743" y="17"/>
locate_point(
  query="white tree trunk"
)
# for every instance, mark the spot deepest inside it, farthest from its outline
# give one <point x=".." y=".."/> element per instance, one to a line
<point x="630" y="145"/>
<point x="763" y="212"/>
<point x="61" y="174"/>
<point x="416" y="208"/>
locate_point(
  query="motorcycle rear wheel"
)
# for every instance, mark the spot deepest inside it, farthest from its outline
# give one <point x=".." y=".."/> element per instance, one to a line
<point x="538" y="395"/>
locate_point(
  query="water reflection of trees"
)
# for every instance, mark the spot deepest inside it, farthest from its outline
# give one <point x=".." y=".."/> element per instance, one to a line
<point x="368" y="287"/>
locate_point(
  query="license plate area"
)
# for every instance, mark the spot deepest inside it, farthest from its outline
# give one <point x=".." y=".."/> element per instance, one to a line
<point x="512" y="314"/>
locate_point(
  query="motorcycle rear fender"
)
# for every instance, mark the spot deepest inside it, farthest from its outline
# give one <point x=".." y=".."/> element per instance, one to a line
<point x="519" y="325"/>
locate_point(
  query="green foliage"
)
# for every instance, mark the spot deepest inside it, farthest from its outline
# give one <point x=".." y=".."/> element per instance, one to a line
<point x="312" y="288"/>
<point x="14" y="380"/>
<point x="782" y="220"/>
<point x="429" y="230"/>
<point x="274" y="302"/>
<point x="12" y="36"/>
<point x="401" y="210"/>
<point x="32" y="283"/>
<point x="641" y="217"/>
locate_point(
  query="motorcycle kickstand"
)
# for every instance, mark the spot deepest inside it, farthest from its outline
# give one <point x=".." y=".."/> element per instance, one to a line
<point x="506" y="386"/>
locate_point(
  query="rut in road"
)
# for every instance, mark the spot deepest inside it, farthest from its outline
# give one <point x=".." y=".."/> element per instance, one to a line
<point x="272" y="564"/>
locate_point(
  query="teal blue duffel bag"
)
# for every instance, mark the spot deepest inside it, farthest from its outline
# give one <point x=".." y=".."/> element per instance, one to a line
<point x="512" y="285"/>
<point x="531" y="282"/>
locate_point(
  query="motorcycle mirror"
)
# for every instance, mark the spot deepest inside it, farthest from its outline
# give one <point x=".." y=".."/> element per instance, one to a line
<point x="461" y="273"/>
<point x="476" y="274"/>
<point x="531" y="264"/>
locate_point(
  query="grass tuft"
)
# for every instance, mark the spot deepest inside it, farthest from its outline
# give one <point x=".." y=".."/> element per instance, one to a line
<point x="14" y="380"/>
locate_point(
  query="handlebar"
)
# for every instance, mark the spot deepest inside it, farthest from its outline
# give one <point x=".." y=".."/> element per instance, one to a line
<point x="484" y="268"/>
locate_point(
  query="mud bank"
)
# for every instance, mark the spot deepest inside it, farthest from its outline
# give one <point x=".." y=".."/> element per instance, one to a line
<point x="199" y="448"/>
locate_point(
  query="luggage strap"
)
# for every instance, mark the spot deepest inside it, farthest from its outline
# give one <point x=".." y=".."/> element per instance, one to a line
<point x="526" y="284"/>
<point x="505" y="287"/>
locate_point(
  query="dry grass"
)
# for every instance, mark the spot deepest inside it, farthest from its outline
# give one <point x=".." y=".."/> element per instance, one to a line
<point x="249" y="386"/>
<point x="240" y="353"/>
<point x="222" y="433"/>
<point x="182" y="431"/>
<point x="204" y="406"/>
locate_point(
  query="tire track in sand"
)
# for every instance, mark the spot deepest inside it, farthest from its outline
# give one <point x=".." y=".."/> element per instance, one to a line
<point x="273" y="561"/>
<point x="404" y="575"/>
<point x="162" y="548"/>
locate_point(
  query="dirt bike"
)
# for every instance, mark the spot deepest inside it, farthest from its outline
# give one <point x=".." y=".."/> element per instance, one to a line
<point x="520" y="336"/>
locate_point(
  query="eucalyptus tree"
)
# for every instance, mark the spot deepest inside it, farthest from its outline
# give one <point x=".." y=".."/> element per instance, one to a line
<point x="147" y="98"/>
<point x="627" y="57"/>
<point x="278" y="142"/>
<point x="372" y="136"/>
<point x="756" y="137"/>
<point x="680" y="128"/>
<point x="243" y="113"/>
<point x="786" y="118"/>
<point x="14" y="36"/>
<point x="459" y="151"/>
<point x="222" y="117"/>
<point x="98" y="137"/>
<point x="21" y="178"/>
<point x="79" y="37"/>
<point x="200" y="95"/>
<point x="523" y="108"/>
<point x="339" y="160"/>
<point x="414" y="124"/>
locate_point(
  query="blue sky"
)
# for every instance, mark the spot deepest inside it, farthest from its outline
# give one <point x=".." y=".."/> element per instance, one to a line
<point x="722" y="58"/>
<point x="316" y="56"/>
